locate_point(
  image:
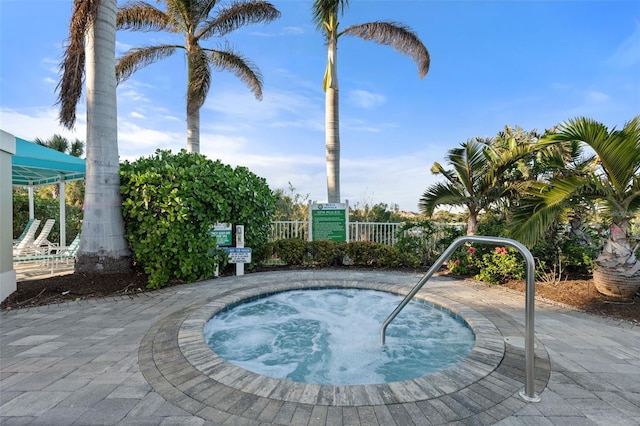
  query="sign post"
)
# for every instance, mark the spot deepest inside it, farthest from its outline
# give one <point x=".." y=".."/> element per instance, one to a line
<point x="222" y="232"/>
<point x="240" y="244"/>
<point x="329" y="221"/>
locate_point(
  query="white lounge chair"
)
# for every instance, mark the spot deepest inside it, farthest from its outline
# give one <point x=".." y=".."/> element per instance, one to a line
<point x="54" y="256"/>
<point x="27" y="239"/>
<point x="40" y="245"/>
<point x="25" y="231"/>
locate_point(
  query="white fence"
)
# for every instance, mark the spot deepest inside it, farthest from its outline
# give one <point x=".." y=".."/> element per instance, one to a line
<point x="379" y="232"/>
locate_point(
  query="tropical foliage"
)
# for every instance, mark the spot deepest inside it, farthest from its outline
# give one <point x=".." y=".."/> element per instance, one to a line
<point x="171" y="203"/>
<point x="193" y="19"/>
<point x="476" y="180"/>
<point x="612" y="183"/>
<point x="400" y="37"/>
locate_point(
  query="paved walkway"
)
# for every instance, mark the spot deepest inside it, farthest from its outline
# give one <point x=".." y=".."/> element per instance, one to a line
<point x="139" y="360"/>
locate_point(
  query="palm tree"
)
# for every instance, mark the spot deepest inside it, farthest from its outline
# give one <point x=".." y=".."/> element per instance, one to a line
<point x="191" y="18"/>
<point x="400" y="37"/>
<point x="103" y="247"/>
<point x="479" y="177"/>
<point x="614" y="183"/>
<point x="468" y="183"/>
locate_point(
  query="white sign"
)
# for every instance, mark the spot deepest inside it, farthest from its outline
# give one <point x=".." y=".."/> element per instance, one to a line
<point x="239" y="254"/>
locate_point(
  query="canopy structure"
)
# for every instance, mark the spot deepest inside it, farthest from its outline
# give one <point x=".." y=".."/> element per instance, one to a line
<point x="34" y="164"/>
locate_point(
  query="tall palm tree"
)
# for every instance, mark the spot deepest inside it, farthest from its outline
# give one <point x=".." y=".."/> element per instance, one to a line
<point x="191" y="18"/>
<point x="614" y="184"/>
<point x="400" y="37"/>
<point x="92" y="40"/>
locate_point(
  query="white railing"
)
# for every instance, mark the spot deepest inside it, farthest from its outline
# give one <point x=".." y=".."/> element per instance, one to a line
<point x="379" y="232"/>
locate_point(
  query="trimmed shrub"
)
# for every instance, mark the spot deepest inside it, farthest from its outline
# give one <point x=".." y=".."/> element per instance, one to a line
<point x="325" y="253"/>
<point x="171" y="203"/>
<point x="292" y="251"/>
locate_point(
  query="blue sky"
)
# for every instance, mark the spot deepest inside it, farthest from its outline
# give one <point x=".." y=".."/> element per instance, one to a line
<point x="493" y="63"/>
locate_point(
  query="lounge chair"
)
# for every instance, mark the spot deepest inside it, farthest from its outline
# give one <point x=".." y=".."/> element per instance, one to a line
<point x="65" y="253"/>
<point x="54" y="256"/>
<point x="25" y="231"/>
<point x="38" y="246"/>
<point x="27" y="239"/>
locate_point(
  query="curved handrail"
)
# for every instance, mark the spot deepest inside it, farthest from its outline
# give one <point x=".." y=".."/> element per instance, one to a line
<point x="529" y="393"/>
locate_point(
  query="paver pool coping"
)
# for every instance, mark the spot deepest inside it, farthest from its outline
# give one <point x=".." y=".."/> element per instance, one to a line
<point x="178" y="364"/>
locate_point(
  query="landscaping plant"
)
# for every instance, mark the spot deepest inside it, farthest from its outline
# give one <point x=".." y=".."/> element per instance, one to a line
<point x="172" y="201"/>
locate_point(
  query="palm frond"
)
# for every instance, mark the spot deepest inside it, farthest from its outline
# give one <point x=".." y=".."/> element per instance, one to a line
<point x="181" y="11"/>
<point x="73" y="63"/>
<point x="141" y="16"/>
<point x="398" y="36"/>
<point x="244" y="69"/>
<point x="202" y="8"/>
<point x="448" y="174"/>
<point x="138" y="58"/>
<point x="199" y="79"/>
<point x="532" y="218"/>
<point x="617" y="150"/>
<point x="238" y="15"/>
<point x="439" y="195"/>
<point x="324" y="9"/>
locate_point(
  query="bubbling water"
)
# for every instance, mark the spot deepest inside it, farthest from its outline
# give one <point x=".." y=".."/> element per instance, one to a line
<point x="331" y="336"/>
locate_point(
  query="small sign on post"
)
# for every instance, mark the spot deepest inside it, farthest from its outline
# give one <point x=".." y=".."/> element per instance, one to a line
<point x="239" y="255"/>
<point x="222" y="232"/>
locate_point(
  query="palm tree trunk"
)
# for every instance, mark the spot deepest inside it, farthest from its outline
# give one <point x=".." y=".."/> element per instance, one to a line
<point x="617" y="270"/>
<point x="193" y="131"/>
<point x="472" y="223"/>
<point x="103" y="247"/>
<point x="332" y="123"/>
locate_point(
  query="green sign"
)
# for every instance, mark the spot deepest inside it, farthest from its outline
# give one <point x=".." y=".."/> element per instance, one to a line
<point x="222" y="232"/>
<point x="329" y="222"/>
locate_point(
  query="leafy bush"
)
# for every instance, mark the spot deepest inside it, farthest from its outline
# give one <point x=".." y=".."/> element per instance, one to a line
<point x="171" y="202"/>
<point x="501" y="265"/>
<point x="292" y="251"/>
<point x="367" y="253"/>
<point x="420" y="239"/>
<point x="325" y="253"/>
<point x="297" y="252"/>
<point x="465" y="261"/>
<point x="493" y="266"/>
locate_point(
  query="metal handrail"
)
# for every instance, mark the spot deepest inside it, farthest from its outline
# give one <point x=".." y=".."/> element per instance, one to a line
<point x="529" y="393"/>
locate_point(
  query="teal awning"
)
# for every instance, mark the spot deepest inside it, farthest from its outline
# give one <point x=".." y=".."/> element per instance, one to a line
<point x="35" y="164"/>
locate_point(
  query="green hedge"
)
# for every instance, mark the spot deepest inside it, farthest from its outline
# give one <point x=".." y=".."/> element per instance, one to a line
<point x="171" y="202"/>
<point x="296" y="252"/>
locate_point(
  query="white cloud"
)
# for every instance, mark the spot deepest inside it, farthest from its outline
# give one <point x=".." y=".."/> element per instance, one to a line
<point x="597" y="96"/>
<point x="300" y="109"/>
<point x="135" y="141"/>
<point x="294" y="30"/>
<point x="628" y="52"/>
<point x="365" y="99"/>
<point x="31" y="123"/>
<point x="135" y="114"/>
